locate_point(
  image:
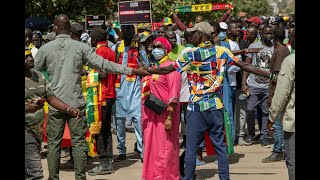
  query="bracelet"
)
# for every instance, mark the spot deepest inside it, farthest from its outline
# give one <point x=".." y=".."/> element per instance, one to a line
<point x="68" y="109"/>
<point x="271" y="76"/>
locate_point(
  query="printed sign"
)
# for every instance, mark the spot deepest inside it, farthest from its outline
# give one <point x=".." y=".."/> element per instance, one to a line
<point x="134" y="12"/>
<point x="94" y="20"/>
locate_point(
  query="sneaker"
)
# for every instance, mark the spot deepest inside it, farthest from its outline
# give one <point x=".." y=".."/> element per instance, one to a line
<point x="241" y="141"/>
<point x="67" y="165"/>
<point x="264" y="143"/>
<point x="120" y="157"/>
<point x="248" y="141"/>
<point x="101" y="170"/>
<point x="199" y="163"/>
<point x="273" y="157"/>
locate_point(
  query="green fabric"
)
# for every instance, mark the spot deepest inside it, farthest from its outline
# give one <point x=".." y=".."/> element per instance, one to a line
<point x="189" y="45"/>
<point x="228" y="129"/>
<point x="55" y="129"/>
<point x="175" y="52"/>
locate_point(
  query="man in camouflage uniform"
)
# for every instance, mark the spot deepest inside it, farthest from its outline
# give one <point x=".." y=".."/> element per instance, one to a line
<point x="36" y="93"/>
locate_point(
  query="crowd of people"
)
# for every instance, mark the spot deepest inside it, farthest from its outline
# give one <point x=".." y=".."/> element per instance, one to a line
<point x="161" y="82"/>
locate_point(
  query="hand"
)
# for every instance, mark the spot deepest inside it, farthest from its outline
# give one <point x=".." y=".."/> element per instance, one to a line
<point x="244" y="88"/>
<point x="84" y="72"/>
<point x="102" y="75"/>
<point x="269" y="101"/>
<point x="168" y="125"/>
<point x="74" y="112"/>
<point x="32" y="107"/>
<point x="140" y="72"/>
<point x="136" y="38"/>
<point x="254" y="50"/>
<point x="269" y="125"/>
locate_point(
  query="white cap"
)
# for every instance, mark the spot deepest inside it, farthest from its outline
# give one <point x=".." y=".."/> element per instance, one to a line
<point x="223" y="25"/>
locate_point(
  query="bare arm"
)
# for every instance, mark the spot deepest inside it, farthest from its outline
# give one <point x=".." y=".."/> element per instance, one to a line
<point x="225" y="16"/>
<point x="162" y="70"/>
<point x="58" y="104"/>
<point x="179" y="22"/>
<point x="247" y="66"/>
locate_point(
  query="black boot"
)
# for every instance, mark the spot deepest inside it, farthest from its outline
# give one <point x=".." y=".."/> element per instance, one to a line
<point x="105" y="167"/>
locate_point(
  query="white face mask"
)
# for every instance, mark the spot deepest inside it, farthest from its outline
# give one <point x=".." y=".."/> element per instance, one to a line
<point x="158" y="53"/>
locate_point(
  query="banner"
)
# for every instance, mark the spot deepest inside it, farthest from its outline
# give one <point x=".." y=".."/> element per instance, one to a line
<point x="203" y="7"/>
<point x="134" y="12"/>
<point x="94" y="20"/>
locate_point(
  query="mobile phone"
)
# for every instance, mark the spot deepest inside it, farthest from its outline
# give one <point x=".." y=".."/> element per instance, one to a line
<point x="41" y="101"/>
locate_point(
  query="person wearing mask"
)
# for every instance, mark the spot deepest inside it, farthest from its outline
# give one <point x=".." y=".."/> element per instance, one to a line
<point x="64" y="70"/>
<point x="205" y="106"/>
<point x="161" y="131"/>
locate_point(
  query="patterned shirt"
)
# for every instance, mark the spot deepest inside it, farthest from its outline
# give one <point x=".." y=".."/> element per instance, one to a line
<point x="205" y="69"/>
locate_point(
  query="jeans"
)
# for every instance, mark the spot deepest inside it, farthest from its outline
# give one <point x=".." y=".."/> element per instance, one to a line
<point x="240" y="115"/>
<point x="55" y="129"/>
<point x="256" y="95"/>
<point x="278" y="135"/>
<point x="289" y="150"/>
<point x="104" y="138"/>
<point x="121" y="134"/>
<point x="198" y="123"/>
<point x="33" y="166"/>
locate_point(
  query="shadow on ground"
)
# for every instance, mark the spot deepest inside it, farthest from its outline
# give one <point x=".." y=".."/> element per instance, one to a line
<point x="233" y="158"/>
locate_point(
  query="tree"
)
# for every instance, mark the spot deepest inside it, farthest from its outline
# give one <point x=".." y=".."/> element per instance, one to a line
<point x="77" y="9"/>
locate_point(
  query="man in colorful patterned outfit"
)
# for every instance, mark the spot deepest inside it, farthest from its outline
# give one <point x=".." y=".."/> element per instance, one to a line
<point x="205" y="66"/>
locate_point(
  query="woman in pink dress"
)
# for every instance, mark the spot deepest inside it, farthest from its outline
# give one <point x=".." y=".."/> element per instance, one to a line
<point x="161" y="132"/>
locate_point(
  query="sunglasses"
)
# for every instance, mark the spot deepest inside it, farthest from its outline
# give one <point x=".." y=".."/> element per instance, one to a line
<point x="157" y="46"/>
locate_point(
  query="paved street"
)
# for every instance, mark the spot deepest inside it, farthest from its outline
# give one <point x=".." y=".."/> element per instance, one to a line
<point x="245" y="164"/>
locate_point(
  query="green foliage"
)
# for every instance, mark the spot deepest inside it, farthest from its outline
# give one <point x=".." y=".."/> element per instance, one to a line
<point x="77" y="9"/>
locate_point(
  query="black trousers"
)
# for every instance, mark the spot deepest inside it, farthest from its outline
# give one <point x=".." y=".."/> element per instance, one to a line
<point x="104" y="138"/>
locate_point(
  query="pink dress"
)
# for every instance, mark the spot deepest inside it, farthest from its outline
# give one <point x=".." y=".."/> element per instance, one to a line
<point x="161" y="149"/>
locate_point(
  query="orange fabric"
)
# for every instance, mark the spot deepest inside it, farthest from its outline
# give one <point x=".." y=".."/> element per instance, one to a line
<point x="66" y="139"/>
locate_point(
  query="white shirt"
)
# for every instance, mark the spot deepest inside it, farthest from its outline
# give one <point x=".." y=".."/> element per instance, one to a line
<point x="184" y="92"/>
<point x="233" y="69"/>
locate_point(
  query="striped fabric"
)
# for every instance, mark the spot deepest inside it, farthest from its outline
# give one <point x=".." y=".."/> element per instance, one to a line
<point x="205" y="69"/>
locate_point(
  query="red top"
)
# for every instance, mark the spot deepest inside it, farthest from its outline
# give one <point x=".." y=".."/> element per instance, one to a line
<point x="108" y="84"/>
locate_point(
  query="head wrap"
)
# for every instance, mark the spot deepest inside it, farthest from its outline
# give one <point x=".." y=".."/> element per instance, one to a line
<point x="166" y="44"/>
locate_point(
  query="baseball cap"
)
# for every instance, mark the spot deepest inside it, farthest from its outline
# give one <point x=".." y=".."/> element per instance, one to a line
<point x="146" y="26"/>
<point x="144" y="36"/>
<point x="255" y="19"/>
<point x="203" y="27"/>
<point x="76" y="28"/>
<point x="223" y="25"/>
<point x="167" y="21"/>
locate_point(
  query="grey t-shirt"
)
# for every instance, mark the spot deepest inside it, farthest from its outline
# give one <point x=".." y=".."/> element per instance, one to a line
<point x="260" y="60"/>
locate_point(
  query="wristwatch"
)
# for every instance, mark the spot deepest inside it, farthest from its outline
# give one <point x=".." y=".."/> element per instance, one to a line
<point x="169" y="117"/>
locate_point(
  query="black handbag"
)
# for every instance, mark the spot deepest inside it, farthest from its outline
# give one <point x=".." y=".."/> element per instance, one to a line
<point x="155" y="104"/>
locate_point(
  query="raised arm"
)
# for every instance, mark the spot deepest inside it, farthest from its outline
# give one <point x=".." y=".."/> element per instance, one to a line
<point x="225" y="16"/>
<point x="179" y="22"/>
